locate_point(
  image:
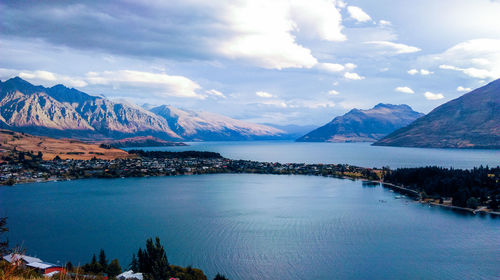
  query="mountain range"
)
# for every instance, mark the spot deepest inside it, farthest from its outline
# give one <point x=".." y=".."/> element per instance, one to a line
<point x="470" y="121"/>
<point x="59" y="111"/>
<point x="363" y="125"/>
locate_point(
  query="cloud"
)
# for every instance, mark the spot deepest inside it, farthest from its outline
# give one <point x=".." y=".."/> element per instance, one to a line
<point x="479" y="58"/>
<point x="404" y="90"/>
<point x="358" y="14"/>
<point x="413" y="71"/>
<point x="433" y="96"/>
<point x="263" y="31"/>
<point x="394" y="47"/>
<point x="353" y="76"/>
<point x="259" y="32"/>
<point x="264" y="94"/>
<point x="423" y="72"/>
<point x="333" y="92"/>
<point x="335" y="67"/>
<point x="216" y="93"/>
<point x="384" y="22"/>
<point x="43" y="77"/>
<point x="167" y="85"/>
<point x="463" y="89"/>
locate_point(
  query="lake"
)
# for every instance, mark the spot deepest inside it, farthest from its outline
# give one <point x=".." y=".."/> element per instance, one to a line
<point x="359" y="154"/>
<point x="250" y="226"/>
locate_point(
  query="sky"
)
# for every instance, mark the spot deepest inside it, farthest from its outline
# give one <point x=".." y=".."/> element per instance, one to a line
<point x="281" y="62"/>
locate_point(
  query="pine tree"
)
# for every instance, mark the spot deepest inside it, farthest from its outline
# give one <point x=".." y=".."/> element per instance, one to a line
<point x="220" y="277"/>
<point x="114" y="268"/>
<point x="102" y="260"/>
<point x="134" y="265"/>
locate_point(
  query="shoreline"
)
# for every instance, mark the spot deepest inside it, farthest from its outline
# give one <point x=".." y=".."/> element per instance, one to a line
<point x="413" y="194"/>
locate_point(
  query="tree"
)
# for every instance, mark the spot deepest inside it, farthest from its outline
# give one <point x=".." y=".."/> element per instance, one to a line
<point x="134" y="265"/>
<point x="153" y="262"/>
<point x="102" y="260"/>
<point x="4" y="245"/>
<point x="472" y="203"/>
<point x="220" y="277"/>
<point x="114" y="268"/>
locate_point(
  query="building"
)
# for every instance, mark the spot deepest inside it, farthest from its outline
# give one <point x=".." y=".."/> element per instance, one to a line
<point x="129" y="275"/>
<point x="34" y="263"/>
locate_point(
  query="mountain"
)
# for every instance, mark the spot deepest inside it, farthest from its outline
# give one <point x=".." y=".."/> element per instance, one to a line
<point x="363" y="125"/>
<point x="59" y="111"/>
<point x="65" y="112"/>
<point x="205" y="126"/>
<point x="470" y="121"/>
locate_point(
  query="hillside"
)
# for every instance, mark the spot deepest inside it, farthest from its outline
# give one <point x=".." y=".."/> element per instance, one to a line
<point x="470" y="121"/>
<point x="205" y="126"/>
<point x="363" y="125"/>
<point x="50" y="147"/>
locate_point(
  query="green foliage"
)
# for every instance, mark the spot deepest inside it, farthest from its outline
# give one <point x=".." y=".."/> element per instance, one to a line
<point x="478" y="183"/>
<point x="134" y="264"/>
<point x="102" y="260"/>
<point x="472" y="203"/>
<point x="220" y="277"/>
<point x="4" y="244"/>
<point x="114" y="268"/>
<point x="153" y="263"/>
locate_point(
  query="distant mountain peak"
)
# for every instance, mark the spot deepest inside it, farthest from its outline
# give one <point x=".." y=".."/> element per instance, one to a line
<point x="363" y="125"/>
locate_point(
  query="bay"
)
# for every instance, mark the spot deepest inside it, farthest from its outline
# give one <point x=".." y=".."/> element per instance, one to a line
<point x="250" y="226"/>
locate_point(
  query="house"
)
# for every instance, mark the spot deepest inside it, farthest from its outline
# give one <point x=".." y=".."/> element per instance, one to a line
<point x="130" y="275"/>
<point x="34" y="263"/>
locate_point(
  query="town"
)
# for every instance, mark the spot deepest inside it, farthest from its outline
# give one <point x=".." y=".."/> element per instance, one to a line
<point x="26" y="167"/>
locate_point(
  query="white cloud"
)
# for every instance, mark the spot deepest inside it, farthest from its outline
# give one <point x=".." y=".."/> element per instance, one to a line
<point x="413" y="71"/>
<point x="353" y="76"/>
<point x="350" y="66"/>
<point x="479" y="58"/>
<point x="335" y="67"/>
<point x="331" y="67"/>
<point x="264" y="94"/>
<point x="395" y="47"/>
<point x="333" y="92"/>
<point x="358" y="14"/>
<point x="423" y="72"/>
<point x="163" y="84"/>
<point x="214" y="92"/>
<point x="463" y="89"/>
<point x="43" y="77"/>
<point x="384" y="22"/>
<point x="404" y="90"/>
<point x="263" y="31"/>
<point x="433" y="96"/>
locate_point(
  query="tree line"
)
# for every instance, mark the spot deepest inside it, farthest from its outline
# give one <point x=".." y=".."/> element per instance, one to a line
<point x="468" y="188"/>
<point x="184" y="154"/>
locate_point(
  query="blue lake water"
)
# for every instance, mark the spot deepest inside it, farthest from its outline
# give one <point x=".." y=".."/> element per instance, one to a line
<point x="250" y="226"/>
<point x="359" y="154"/>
